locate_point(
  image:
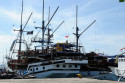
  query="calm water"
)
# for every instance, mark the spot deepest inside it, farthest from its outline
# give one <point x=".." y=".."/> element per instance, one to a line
<point x="109" y="77"/>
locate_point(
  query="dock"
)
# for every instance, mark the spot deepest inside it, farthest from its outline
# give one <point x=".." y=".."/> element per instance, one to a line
<point x="57" y="80"/>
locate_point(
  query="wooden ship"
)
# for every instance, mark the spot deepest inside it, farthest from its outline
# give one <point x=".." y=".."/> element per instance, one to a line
<point x="49" y="52"/>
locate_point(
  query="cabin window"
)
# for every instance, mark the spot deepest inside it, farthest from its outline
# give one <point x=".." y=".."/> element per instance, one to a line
<point x="57" y="65"/>
<point x="36" y="68"/>
<point x="30" y="69"/>
<point x="43" y="67"/>
<point x="70" y="66"/>
<point x="121" y="60"/>
<point x="118" y="60"/>
<point x="64" y="65"/>
<point x="75" y="66"/>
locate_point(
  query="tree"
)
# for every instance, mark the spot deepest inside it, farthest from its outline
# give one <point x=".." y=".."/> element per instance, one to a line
<point x="121" y="0"/>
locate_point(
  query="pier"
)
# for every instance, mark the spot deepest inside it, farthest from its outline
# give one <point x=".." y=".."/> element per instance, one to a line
<point x="57" y="80"/>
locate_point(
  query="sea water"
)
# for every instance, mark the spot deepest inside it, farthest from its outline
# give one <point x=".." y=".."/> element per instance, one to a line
<point x="109" y="77"/>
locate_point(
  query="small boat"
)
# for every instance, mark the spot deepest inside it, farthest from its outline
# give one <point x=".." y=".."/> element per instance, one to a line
<point x="120" y="70"/>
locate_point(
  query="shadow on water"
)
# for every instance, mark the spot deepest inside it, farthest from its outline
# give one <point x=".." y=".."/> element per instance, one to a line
<point x="111" y="77"/>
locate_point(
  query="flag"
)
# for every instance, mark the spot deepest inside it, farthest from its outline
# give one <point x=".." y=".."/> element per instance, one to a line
<point x="30" y="33"/>
<point x="121" y="49"/>
<point x="121" y="0"/>
<point x="66" y="36"/>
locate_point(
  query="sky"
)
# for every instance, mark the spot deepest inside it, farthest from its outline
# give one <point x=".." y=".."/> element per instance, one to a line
<point x="106" y="35"/>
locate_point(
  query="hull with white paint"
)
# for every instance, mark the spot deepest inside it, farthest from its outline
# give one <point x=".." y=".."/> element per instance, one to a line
<point x="57" y="69"/>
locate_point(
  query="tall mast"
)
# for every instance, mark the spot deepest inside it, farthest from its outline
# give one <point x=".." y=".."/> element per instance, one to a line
<point x="77" y="29"/>
<point x="20" y="41"/>
<point x="48" y="29"/>
<point x="43" y="27"/>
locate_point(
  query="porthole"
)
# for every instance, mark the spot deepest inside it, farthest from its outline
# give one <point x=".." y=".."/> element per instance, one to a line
<point x="75" y="66"/>
<point x="36" y="68"/>
<point x="43" y="67"/>
<point x="30" y="69"/>
<point x="57" y="65"/>
<point x="70" y="66"/>
<point x="64" y="65"/>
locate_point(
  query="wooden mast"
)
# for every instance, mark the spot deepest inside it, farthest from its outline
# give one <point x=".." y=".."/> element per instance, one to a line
<point x="77" y="29"/>
<point x="21" y="31"/>
<point x="43" y="27"/>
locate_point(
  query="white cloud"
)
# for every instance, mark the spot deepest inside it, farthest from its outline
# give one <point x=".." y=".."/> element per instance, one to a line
<point x="110" y="44"/>
<point x="5" y="43"/>
<point x="11" y="14"/>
